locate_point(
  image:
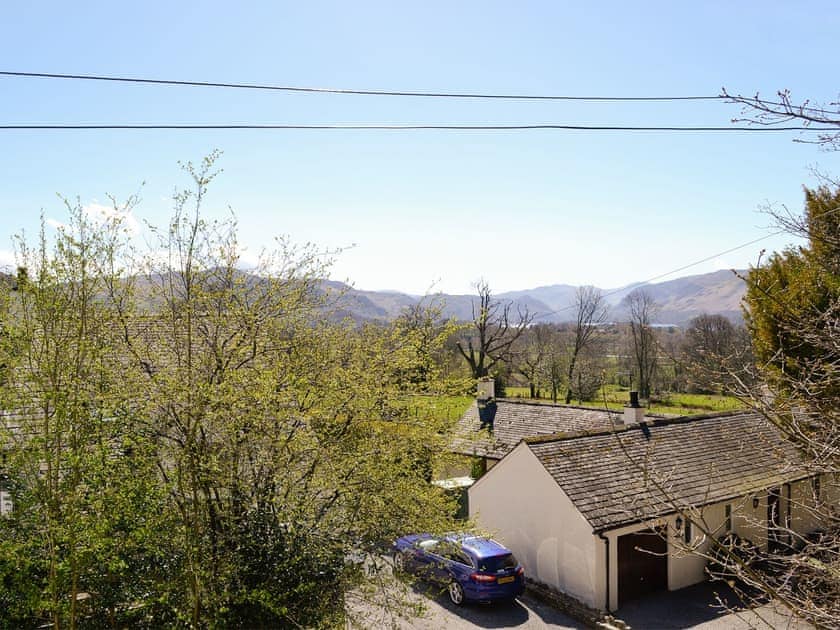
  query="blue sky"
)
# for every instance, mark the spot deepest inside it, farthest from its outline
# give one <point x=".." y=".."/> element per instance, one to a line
<point x="427" y="209"/>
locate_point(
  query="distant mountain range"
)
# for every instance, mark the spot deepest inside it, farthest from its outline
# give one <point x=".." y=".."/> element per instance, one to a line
<point x="679" y="300"/>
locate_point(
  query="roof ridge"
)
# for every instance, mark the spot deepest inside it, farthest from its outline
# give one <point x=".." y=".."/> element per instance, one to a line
<point x="553" y="405"/>
<point x="650" y="421"/>
<point x="539" y="403"/>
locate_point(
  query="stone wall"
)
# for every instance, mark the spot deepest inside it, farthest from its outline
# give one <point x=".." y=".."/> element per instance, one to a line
<point x="592" y="617"/>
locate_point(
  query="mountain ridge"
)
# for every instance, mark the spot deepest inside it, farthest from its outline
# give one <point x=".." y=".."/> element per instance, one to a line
<point x="679" y="300"/>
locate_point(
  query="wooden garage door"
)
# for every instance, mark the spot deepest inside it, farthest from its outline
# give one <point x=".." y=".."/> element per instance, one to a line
<point x="641" y="572"/>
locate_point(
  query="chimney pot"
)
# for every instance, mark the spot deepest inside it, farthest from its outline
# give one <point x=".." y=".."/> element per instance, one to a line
<point x="486" y="388"/>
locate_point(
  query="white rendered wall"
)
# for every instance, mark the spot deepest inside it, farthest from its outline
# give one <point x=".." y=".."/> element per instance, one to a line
<point x="520" y="503"/>
<point x="686" y="566"/>
<point x="807" y="510"/>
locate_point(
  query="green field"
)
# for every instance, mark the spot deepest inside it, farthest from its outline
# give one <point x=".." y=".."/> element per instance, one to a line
<point x="443" y="407"/>
<point x="671" y="403"/>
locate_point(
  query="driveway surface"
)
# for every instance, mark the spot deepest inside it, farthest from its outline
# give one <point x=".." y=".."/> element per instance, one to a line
<point x="706" y="606"/>
<point x="427" y="607"/>
<point x="420" y="606"/>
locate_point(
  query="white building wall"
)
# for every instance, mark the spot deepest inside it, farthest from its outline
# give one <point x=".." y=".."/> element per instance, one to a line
<point x="807" y="508"/>
<point x="687" y="567"/>
<point x="804" y="514"/>
<point x="612" y="536"/>
<point x="687" y="562"/>
<point x="687" y="559"/>
<point x="520" y="503"/>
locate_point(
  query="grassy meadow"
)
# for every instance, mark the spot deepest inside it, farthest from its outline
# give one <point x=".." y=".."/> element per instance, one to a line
<point x="615" y="397"/>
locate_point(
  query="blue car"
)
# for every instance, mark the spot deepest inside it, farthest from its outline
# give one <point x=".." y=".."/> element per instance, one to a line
<point x="471" y="567"/>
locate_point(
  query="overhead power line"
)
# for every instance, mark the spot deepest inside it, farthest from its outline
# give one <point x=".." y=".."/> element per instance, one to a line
<point x="713" y="256"/>
<point x="723" y="96"/>
<point x="330" y="90"/>
<point x="636" y="285"/>
<point x="388" y="127"/>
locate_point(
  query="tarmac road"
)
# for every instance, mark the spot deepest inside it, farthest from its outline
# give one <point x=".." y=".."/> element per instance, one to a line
<point x="427" y="607"/>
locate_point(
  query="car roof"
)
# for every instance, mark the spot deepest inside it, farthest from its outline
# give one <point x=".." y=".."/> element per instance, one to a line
<point x="479" y="546"/>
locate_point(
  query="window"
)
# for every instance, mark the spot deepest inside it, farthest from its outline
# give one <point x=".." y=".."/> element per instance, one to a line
<point x="727" y="524"/>
<point x="459" y="556"/>
<point x="497" y="564"/>
<point x="687" y="532"/>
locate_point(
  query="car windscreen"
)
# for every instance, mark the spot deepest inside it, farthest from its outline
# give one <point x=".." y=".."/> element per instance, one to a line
<point x="495" y="564"/>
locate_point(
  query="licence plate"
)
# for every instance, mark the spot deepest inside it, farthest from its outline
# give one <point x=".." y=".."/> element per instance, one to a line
<point x="505" y="580"/>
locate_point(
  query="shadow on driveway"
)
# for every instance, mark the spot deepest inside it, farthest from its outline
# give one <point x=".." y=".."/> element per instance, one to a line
<point x="501" y="614"/>
<point x="709" y="605"/>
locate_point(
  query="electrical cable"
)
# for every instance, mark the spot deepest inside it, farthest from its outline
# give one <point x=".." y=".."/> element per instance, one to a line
<point x="732" y="98"/>
<point x="636" y="285"/>
<point x="409" y="127"/>
<point x="329" y="90"/>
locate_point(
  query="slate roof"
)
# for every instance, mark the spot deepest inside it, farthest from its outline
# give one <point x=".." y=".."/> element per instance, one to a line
<point x="515" y="420"/>
<point x="629" y="474"/>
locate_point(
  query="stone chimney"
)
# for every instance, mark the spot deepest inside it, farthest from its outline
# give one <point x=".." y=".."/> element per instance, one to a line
<point x="634" y="413"/>
<point x="486" y="388"/>
<point x="486" y="402"/>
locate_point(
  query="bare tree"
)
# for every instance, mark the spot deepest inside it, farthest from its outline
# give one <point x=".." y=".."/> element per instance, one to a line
<point x="643" y="343"/>
<point x="711" y="347"/>
<point x="591" y="312"/>
<point x="760" y="111"/>
<point x="496" y="325"/>
<point x="530" y="353"/>
<point x="555" y="364"/>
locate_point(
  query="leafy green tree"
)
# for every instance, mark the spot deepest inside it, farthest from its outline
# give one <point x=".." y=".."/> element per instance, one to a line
<point x="791" y="299"/>
<point x="426" y="334"/>
<point x="194" y="445"/>
<point x="792" y="307"/>
<point x="270" y="418"/>
<point x="86" y="514"/>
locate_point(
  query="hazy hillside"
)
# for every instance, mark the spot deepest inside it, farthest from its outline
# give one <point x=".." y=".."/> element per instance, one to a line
<point x="679" y="300"/>
<point x="554" y="297"/>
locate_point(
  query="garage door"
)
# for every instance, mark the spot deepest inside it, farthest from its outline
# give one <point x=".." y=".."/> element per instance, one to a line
<point x="642" y="565"/>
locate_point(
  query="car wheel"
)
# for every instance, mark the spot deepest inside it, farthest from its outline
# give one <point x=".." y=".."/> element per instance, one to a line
<point x="399" y="562"/>
<point x="456" y="593"/>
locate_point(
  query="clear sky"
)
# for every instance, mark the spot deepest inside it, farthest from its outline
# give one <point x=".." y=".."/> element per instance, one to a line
<point x="427" y="208"/>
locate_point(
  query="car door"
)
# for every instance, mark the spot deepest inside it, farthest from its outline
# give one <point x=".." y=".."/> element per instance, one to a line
<point x="426" y="559"/>
<point x="453" y="562"/>
<point x="461" y="565"/>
